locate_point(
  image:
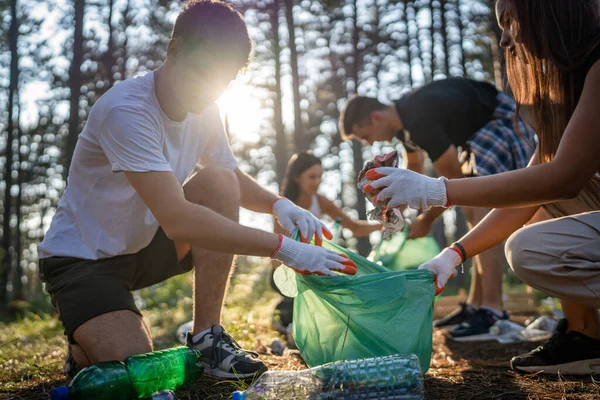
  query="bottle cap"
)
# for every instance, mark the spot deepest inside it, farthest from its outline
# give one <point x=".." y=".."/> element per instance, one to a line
<point x="59" y="393"/>
<point x="238" y="396"/>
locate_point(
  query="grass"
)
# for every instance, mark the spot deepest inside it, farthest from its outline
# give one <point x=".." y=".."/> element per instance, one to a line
<point x="32" y="348"/>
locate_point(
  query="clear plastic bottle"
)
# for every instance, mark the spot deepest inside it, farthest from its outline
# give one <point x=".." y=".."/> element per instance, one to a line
<point x="396" y="377"/>
<point x="137" y="377"/>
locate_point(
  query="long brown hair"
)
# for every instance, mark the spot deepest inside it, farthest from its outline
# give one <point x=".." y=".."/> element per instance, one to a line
<point x="546" y="68"/>
<point x="299" y="163"/>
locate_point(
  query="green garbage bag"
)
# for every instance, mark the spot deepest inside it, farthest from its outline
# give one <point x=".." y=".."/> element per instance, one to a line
<point x="377" y="312"/>
<point x="398" y="253"/>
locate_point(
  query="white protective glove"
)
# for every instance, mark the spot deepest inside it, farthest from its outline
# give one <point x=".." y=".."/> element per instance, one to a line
<point x="291" y="216"/>
<point x="307" y="259"/>
<point x="443" y="266"/>
<point x="403" y="186"/>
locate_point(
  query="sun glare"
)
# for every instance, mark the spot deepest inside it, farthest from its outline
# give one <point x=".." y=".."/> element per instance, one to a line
<point x="244" y="112"/>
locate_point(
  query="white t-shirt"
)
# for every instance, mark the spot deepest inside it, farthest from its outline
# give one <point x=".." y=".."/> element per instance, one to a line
<point x="100" y="215"/>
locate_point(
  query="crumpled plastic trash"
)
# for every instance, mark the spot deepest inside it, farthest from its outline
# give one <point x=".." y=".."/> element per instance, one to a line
<point x="183" y="330"/>
<point x="507" y="332"/>
<point x="278" y="347"/>
<point x="391" y="219"/>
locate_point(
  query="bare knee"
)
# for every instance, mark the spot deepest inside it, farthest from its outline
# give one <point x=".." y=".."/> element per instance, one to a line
<point x="215" y="188"/>
<point x="112" y="336"/>
<point x="79" y="355"/>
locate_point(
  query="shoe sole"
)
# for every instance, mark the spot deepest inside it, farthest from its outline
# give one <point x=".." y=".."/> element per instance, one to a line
<point x="217" y="373"/>
<point x="584" y="367"/>
<point x="483" y="337"/>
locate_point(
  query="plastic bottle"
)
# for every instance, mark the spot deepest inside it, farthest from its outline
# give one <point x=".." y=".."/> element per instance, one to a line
<point x="396" y="377"/>
<point x="164" y="395"/>
<point x="337" y="231"/>
<point x="137" y="377"/>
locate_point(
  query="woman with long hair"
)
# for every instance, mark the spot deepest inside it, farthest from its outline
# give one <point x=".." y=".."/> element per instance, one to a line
<point x="553" y="52"/>
<point x="300" y="185"/>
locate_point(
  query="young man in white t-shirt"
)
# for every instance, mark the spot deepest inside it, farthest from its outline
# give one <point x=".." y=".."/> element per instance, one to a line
<point x="134" y="215"/>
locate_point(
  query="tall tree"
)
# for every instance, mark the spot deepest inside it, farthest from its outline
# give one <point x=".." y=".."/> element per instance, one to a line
<point x="12" y="94"/>
<point x="75" y="81"/>
<point x="281" y="153"/>
<point x="299" y="138"/>
<point x="444" y="33"/>
<point x="18" y="273"/>
<point x="406" y="44"/>
<point x="363" y="246"/>
<point x="463" y="61"/>
<point x="497" y="53"/>
<point x="110" y="61"/>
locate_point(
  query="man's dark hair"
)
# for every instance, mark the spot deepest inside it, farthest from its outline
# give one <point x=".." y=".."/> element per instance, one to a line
<point x="357" y="111"/>
<point x="215" y="29"/>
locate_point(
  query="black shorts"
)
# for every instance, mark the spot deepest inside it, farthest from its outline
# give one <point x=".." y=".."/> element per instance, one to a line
<point x="83" y="289"/>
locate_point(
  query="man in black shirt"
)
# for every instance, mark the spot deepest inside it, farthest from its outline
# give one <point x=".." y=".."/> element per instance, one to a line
<point x="467" y="128"/>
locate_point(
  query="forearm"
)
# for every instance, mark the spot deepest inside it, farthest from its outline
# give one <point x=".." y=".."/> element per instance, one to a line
<point x="414" y="161"/>
<point x="204" y="228"/>
<point x="531" y="186"/>
<point x="278" y="230"/>
<point x="253" y="196"/>
<point x="361" y="228"/>
<point x="496" y="227"/>
<point x="432" y="214"/>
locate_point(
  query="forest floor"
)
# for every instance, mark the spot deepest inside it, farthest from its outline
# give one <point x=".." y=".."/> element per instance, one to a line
<point x="32" y="350"/>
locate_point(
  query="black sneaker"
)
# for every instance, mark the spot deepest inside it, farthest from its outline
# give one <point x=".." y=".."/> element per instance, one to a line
<point x="283" y="315"/>
<point x="71" y="368"/>
<point x="571" y="353"/>
<point x="456" y="317"/>
<point x="223" y="357"/>
<point x="477" y="327"/>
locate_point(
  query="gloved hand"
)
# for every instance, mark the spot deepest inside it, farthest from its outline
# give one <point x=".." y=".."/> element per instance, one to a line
<point x="443" y="266"/>
<point x="307" y="259"/>
<point x="403" y="186"/>
<point x="291" y="216"/>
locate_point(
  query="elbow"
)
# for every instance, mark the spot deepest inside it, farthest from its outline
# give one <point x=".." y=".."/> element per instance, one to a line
<point x="570" y="191"/>
<point x="568" y="181"/>
<point x="174" y="226"/>
<point x="173" y="232"/>
<point x="570" y="187"/>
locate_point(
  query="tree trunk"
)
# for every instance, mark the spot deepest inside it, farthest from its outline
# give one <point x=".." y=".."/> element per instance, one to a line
<point x="444" y="32"/>
<point x="281" y="154"/>
<point x="299" y="139"/>
<point x="414" y="9"/>
<point x="75" y="83"/>
<point x="463" y="58"/>
<point x="18" y="276"/>
<point x="497" y="53"/>
<point x="12" y="91"/>
<point x="375" y="45"/>
<point x="126" y="22"/>
<point x="364" y="246"/>
<point x="110" y="52"/>
<point x="432" y="8"/>
<point x="407" y="43"/>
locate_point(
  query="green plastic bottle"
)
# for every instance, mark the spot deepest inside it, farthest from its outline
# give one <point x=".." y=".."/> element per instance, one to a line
<point x="136" y="378"/>
<point x="337" y="230"/>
